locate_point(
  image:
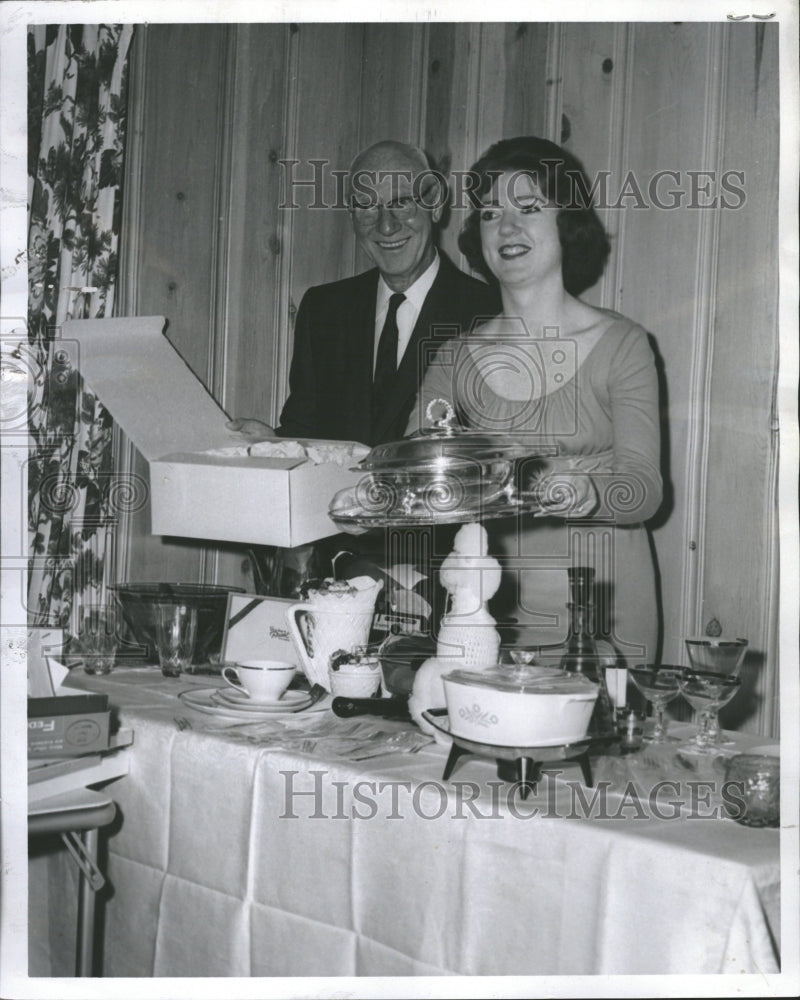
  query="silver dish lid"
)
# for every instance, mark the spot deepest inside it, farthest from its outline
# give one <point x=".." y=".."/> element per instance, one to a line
<point x="445" y="445"/>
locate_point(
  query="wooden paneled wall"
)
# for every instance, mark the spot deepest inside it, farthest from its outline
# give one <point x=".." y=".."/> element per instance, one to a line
<point x="217" y="108"/>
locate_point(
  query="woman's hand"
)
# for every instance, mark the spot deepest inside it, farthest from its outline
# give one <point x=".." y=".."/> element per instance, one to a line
<point x="252" y="430"/>
<point x="567" y="494"/>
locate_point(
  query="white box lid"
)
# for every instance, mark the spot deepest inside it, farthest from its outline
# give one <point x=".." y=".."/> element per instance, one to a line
<point x="146" y="386"/>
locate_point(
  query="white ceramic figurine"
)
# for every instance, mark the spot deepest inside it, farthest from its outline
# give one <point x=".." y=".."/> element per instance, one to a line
<point x="467" y="636"/>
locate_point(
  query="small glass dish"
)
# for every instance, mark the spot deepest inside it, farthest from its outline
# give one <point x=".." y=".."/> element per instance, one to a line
<point x="752" y="792"/>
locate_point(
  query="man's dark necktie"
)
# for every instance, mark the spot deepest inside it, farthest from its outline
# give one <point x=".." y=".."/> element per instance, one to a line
<point x="386" y="361"/>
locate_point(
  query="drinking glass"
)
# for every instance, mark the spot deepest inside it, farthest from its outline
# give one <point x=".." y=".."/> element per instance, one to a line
<point x="97" y="640"/>
<point x="659" y="684"/>
<point x="176" y="631"/>
<point x="722" y="655"/>
<point x="707" y="691"/>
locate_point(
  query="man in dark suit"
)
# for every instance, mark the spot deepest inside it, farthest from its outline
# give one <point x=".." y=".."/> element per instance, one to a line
<point x="359" y="344"/>
<point x="358" y="358"/>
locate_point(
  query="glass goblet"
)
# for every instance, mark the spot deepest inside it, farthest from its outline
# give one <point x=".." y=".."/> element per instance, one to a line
<point x="707" y="691"/>
<point x="720" y="654"/>
<point x="659" y="684"/>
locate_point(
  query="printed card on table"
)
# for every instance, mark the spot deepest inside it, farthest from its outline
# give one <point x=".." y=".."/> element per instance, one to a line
<point x="256" y="629"/>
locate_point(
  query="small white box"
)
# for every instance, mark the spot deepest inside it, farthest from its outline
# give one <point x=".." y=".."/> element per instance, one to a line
<point x="172" y="419"/>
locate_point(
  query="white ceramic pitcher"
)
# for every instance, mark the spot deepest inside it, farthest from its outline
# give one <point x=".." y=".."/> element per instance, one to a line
<point x="322" y="633"/>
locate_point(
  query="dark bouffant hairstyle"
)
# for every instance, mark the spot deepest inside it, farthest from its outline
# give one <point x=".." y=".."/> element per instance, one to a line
<point x="561" y="177"/>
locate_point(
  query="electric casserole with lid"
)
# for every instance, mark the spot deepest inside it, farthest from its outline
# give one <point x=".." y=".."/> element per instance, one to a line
<point x="540" y="706"/>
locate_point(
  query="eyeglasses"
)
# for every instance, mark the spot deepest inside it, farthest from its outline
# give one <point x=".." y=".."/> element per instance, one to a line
<point x="402" y="208"/>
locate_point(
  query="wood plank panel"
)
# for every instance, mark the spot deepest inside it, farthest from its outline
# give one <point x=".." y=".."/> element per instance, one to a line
<point x="391" y="98"/>
<point x="525" y="96"/>
<point x="661" y="271"/>
<point x="328" y="86"/>
<point x="491" y="85"/>
<point x="740" y="492"/>
<point x="177" y="230"/>
<point x="450" y="111"/>
<point x="595" y="62"/>
<point x="322" y="122"/>
<point x="179" y="182"/>
<point x="485" y="82"/>
<point x="254" y="246"/>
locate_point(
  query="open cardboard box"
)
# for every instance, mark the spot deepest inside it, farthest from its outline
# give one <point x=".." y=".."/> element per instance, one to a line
<point x="172" y="419"/>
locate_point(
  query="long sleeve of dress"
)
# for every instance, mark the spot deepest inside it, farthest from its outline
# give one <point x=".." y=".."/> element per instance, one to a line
<point x="632" y="491"/>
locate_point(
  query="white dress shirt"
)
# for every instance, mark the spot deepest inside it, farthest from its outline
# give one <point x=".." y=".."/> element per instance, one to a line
<point x="409" y="311"/>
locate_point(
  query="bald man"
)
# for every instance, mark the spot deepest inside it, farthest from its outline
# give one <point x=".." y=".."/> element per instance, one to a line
<point x="358" y="358"/>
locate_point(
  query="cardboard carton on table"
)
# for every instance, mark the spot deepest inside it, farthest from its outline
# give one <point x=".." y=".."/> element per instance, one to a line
<point x="173" y="420"/>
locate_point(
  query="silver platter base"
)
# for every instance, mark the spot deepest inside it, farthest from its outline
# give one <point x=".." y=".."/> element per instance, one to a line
<point x="491" y="510"/>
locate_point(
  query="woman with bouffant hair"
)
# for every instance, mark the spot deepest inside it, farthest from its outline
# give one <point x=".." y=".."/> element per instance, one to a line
<point x="562" y="179"/>
<point x="562" y="375"/>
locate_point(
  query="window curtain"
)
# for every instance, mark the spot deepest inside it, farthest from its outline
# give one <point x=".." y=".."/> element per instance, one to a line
<point x="77" y="85"/>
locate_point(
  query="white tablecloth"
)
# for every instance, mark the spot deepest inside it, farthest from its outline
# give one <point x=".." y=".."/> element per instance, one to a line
<point x="218" y="870"/>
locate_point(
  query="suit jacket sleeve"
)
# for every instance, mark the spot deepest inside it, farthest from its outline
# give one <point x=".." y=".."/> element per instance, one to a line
<point x="299" y="410"/>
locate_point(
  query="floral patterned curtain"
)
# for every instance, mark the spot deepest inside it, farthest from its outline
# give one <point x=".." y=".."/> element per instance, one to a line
<point x="77" y="83"/>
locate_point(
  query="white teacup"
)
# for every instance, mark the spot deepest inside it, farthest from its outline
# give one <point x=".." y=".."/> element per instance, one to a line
<point x="261" y="680"/>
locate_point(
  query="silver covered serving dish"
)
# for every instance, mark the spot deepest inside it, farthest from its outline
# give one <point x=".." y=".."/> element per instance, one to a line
<point x="442" y="474"/>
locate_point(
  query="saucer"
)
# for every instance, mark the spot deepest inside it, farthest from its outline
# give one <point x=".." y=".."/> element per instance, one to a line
<point x="288" y="700"/>
<point x="206" y="700"/>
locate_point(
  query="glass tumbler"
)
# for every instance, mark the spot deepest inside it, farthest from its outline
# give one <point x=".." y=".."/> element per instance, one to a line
<point x="176" y="631"/>
<point x="97" y="640"/>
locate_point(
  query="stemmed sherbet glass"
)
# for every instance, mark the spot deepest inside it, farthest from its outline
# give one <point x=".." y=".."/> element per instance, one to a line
<point x="659" y="684"/>
<point x="707" y="691"/>
<point x="721" y="655"/>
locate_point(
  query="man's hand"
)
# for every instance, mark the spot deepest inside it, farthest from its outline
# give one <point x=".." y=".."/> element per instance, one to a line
<point x="252" y="430"/>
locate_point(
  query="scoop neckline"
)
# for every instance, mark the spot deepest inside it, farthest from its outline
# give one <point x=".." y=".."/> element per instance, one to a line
<point x="616" y="319"/>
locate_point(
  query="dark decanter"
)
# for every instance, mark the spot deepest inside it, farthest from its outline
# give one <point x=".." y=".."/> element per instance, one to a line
<point x="581" y="654"/>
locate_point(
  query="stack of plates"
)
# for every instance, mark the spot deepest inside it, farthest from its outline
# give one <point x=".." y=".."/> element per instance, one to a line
<point x="232" y="704"/>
